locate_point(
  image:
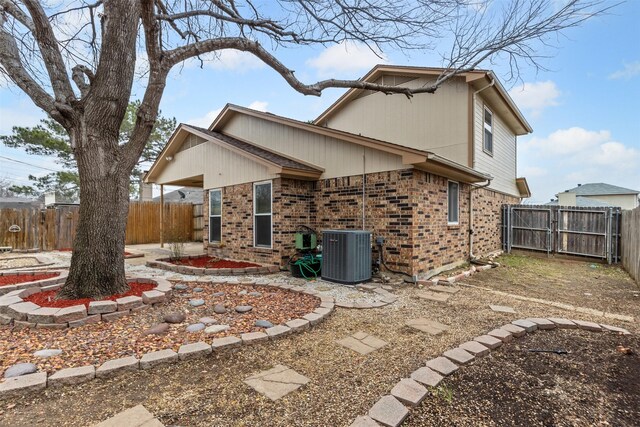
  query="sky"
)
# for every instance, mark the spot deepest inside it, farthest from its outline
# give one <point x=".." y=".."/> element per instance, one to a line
<point x="584" y="109"/>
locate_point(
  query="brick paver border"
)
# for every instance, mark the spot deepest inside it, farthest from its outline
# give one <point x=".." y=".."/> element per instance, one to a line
<point x="452" y="360"/>
<point x="38" y="381"/>
<point x="164" y="264"/>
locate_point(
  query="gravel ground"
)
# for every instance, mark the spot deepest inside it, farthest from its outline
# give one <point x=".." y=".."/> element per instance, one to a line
<point x="595" y="384"/>
<point x="17" y="262"/>
<point x="344" y="384"/>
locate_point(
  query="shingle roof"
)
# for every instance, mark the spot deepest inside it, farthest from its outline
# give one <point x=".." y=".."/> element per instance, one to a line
<point x="600" y="189"/>
<point x="256" y="150"/>
<point x="191" y="195"/>
<point x="585" y="202"/>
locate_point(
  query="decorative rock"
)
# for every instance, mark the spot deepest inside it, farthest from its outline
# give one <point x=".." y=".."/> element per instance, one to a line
<point x="48" y="353"/>
<point x="427" y="376"/>
<point x="255" y="294"/>
<point x="22" y="384"/>
<point x="459" y="356"/>
<point x="155" y="358"/>
<point x="181" y="287"/>
<point x="216" y="329"/>
<point x="218" y="294"/>
<point x="101" y="307"/>
<point x="389" y="411"/>
<point x="528" y="325"/>
<point x="225" y="343"/>
<point x="20" y="369"/>
<point x="71" y="376"/>
<point x="208" y="320"/>
<point x="219" y="309"/>
<point x="242" y="292"/>
<point x="196" y="302"/>
<point x="159" y="329"/>
<point x="475" y="348"/>
<point x="111" y="367"/>
<point x="409" y="391"/>
<point x="69" y="314"/>
<point x="175" y="318"/>
<point x="244" y="308"/>
<point x="442" y="365"/>
<point x="489" y="341"/>
<point x="196" y="327"/>
<point x="191" y="351"/>
<point x="198" y="290"/>
<point x="264" y="324"/>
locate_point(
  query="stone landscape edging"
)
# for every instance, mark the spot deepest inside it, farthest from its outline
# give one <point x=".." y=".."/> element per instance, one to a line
<point x="60" y="278"/>
<point x="163" y="264"/>
<point x="20" y="385"/>
<point x="391" y="410"/>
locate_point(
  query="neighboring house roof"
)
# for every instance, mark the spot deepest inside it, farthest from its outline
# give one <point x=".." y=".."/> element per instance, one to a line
<point x="183" y="195"/>
<point x="19" y="202"/>
<point x="585" y="202"/>
<point x="478" y="79"/>
<point x="600" y="189"/>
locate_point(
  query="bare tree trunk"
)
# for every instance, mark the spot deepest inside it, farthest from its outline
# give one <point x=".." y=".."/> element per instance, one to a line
<point x="97" y="263"/>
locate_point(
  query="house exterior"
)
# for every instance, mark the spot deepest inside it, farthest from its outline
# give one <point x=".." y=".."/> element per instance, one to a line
<point x="598" y="194"/>
<point x="428" y="174"/>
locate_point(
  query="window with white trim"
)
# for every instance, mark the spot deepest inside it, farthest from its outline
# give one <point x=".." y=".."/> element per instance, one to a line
<point x="215" y="216"/>
<point x="453" y="202"/>
<point x="262" y="216"/>
<point x="487" y="144"/>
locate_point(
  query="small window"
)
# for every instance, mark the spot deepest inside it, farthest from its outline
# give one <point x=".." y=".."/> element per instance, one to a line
<point x="215" y="216"/>
<point x="453" y="202"/>
<point x="487" y="145"/>
<point x="262" y="215"/>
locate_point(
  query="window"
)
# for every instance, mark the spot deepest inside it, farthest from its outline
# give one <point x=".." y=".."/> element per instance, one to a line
<point x="215" y="216"/>
<point x="262" y="214"/>
<point x="453" y="204"/>
<point x="487" y="145"/>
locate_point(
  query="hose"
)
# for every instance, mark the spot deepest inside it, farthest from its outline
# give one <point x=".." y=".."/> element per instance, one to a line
<point x="304" y="264"/>
<point x="385" y="265"/>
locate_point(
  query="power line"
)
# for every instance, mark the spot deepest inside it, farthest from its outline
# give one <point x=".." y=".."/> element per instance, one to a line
<point x="29" y="164"/>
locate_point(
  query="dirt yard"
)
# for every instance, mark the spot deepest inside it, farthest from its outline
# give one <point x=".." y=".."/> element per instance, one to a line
<point x="345" y="384"/>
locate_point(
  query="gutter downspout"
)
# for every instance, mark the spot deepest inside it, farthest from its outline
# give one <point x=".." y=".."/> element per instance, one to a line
<point x="473" y="188"/>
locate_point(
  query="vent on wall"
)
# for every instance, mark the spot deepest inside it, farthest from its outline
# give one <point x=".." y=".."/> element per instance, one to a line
<point x="346" y="256"/>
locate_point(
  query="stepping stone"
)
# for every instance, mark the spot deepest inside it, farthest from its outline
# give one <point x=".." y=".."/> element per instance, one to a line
<point x="159" y="329"/>
<point x="264" y="324"/>
<point x="196" y="327"/>
<point x="502" y="334"/>
<point x="409" y="391"/>
<point x="181" y="287"/>
<point x="276" y="382"/>
<point x="20" y="369"/>
<point x="196" y="302"/>
<point x="207" y="320"/>
<point x="362" y="343"/>
<point x="219" y="309"/>
<point x="198" y="290"/>
<point x="427" y="376"/>
<point x="434" y="296"/>
<point x="244" y="308"/>
<point x="429" y="326"/>
<point x="445" y="289"/>
<point x="588" y="326"/>
<point x="175" y="318"/>
<point x="459" y="356"/>
<point x="475" y="348"/>
<point x="48" y="353"/>
<point x="442" y="365"/>
<point x="502" y="308"/>
<point x="389" y="411"/>
<point x="542" y="323"/>
<point x="563" y="323"/>
<point x="137" y="416"/>
<point x="528" y="325"/>
<point x="364" y="421"/>
<point x="516" y="331"/>
<point x="489" y="341"/>
<point x="615" y="329"/>
<point x="216" y="329"/>
<point x="255" y="294"/>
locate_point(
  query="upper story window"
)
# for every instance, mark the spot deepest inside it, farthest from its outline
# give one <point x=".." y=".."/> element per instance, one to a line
<point x="487" y="144"/>
<point x="453" y="203"/>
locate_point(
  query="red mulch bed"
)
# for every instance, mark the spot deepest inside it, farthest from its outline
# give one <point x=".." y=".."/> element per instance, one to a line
<point x="48" y="298"/>
<point x="212" y="262"/>
<point x="22" y="278"/>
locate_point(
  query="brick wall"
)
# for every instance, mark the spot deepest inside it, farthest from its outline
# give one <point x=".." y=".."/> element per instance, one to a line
<point x="406" y="207"/>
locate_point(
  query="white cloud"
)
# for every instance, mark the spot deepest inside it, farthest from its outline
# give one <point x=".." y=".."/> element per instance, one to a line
<point x="206" y="120"/>
<point x="259" y="105"/>
<point x="346" y="57"/>
<point x="227" y="60"/>
<point x="535" y="97"/>
<point x="629" y="71"/>
<point x="575" y="155"/>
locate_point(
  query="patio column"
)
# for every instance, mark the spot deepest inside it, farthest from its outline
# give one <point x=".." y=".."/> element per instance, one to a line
<point x="162" y="215"/>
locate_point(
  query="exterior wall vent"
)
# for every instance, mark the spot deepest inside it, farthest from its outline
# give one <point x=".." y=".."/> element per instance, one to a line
<point x="346" y="256"/>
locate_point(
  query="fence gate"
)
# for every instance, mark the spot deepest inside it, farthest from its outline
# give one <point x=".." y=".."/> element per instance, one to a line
<point x="590" y="232"/>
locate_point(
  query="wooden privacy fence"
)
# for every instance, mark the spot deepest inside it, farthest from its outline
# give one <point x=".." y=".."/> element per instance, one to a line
<point x="630" y="236"/>
<point x="590" y="232"/>
<point x="54" y="228"/>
